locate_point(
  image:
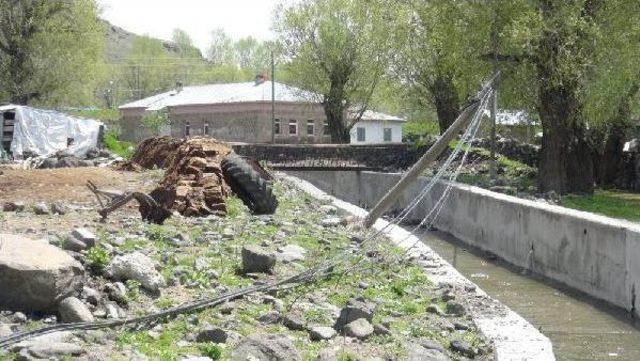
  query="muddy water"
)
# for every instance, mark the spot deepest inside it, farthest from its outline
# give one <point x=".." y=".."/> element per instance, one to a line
<point x="580" y="328"/>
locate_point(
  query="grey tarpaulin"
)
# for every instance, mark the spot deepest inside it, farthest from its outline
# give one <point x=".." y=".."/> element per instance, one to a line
<point x="44" y="132"/>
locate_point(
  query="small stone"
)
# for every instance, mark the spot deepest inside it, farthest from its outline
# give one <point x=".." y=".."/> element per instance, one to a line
<point x="430" y="344"/>
<point x="294" y="321"/>
<point x="212" y="334"/>
<point x="73" y="244"/>
<point x="117" y="291"/>
<point x="139" y="267"/>
<point x="41" y="209"/>
<point x="455" y="308"/>
<point x="357" y="239"/>
<point x="434" y="309"/>
<point x="320" y="333"/>
<point x="269" y="318"/>
<point x="257" y="260"/>
<point x="85" y="236"/>
<point x="354" y="310"/>
<point x="460" y="326"/>
<point x="291" y="253"/>
<point x="228" y="233"/>
<point x="58" y="208"/>
<point x="331" y="222"/>
<point x="91" y="295"/>
<point x="462" y="348"/>
<point x="52" y="350"/>
<point x="73" y="310"/>
<point x="265" y="347"/>
<point x="19" y="317"/>
<point x="227" y="308"/>
<point x="380" y="330"/>
<point x="360" y="329"/>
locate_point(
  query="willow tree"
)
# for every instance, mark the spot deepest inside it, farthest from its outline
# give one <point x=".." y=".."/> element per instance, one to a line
<point x="339" y="49"/>
<point x="438" y="55"/>
<point x="50" y="51"/>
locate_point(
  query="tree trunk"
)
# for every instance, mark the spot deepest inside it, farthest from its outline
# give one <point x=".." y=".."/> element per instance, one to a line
<point x="334" y="109"/>
<point x="446" y="101"/>
<point x="612" y="162"/>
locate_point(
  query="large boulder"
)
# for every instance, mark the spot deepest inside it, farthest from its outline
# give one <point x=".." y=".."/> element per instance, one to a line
<point x="36" y="276"/>
<point x="274" y="347"/>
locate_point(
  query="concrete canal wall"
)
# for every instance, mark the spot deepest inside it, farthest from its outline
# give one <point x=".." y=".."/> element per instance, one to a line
<point x="597" y="255"/>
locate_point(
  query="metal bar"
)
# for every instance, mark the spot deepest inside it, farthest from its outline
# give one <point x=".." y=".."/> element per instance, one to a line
<point x="429" y="157"/>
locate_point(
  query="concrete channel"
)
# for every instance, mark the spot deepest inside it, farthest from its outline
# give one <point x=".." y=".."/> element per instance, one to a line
<point x="571" y="274"/>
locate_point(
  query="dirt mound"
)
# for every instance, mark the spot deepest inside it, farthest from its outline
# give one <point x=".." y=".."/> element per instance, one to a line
<point x="153" y="153"/>
<point x="194" y="184"/>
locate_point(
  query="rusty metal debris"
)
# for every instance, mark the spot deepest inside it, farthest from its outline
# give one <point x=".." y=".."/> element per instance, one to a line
<point x="110" y="201"/>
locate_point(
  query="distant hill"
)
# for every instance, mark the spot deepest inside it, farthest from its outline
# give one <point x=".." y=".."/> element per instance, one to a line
<point x="120" y="42"/>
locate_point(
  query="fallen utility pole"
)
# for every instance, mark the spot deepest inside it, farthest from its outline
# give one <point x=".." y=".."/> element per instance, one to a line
<point x="431" y="155"/>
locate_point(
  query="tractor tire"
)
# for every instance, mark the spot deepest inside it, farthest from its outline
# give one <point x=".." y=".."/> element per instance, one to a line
<point x="249" y="185"/>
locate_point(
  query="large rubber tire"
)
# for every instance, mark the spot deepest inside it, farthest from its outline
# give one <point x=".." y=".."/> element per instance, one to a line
<point x="249" y="185"/>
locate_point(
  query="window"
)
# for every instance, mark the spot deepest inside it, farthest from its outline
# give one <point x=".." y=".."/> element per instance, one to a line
<point x="387" y="134"/>
<point x="293" y="127"/>
<point x="206" y="128"/>
<point x="361" y="134"/>
<point x="187" y="129"/>
<point x="276" y="126"/>
<point x="310" y="127"/>
<point x="325" y="128"/>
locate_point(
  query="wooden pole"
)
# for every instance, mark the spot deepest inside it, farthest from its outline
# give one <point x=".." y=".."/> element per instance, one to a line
<point x="429" y="157"/>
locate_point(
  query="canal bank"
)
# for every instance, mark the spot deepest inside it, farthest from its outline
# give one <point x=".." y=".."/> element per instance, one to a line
<point x="580" y="328"/>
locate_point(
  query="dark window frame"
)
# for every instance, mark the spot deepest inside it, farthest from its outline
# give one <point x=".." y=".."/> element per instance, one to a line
<point x="293" y="123"/>
<point x="361" y="136"/>
<point x="384" y="135"/>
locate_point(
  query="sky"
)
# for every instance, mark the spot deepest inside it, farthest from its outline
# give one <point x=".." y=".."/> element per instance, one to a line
<point x="158" y="18"/>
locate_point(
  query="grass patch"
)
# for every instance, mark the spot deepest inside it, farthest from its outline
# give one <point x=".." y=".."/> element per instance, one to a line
<point x="105" y="115"/>
<point x="121" y="148"/>
<point x="610" y="203"/>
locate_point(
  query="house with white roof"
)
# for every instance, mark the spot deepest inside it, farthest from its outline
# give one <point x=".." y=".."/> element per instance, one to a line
<point x="241" y="112"/>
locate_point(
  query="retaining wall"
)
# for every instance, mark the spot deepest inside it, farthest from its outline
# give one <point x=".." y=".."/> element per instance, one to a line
<point x="597" y="255"/>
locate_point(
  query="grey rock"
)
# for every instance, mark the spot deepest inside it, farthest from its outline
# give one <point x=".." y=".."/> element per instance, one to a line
<point x="85" y="236"/>
<point x="291" y="253"/>
<point x="460" y="326"/>
<point x="273" y="347"/>
<point x="360" y="329"/>
<point x="331" y="222"/>
<point x="430" y="344"/>
<point x="381" y="330"/>
<point x="257" y="260"/>
<point x="434" y="309"/>
<point x="462" y="348"/>
<point x="73" y="244"/>
<point x="136" y="266"/>
<point x="53" y="350"/>
<point x="5" y="330"/>
<point x="419" y="353"/>
<point x="455" y="308"/>
<point x="72" y="310"/>
<point x="320" y="333"/>
<point x="91" y="295"/>
<point x="354" y="310"/>
<point x="327" y="355"/>
<point x="41" y="209"/>
<point x="269" y="318"/>
<point x="13" y="207"/>
<point x="36" y="275"/>
<point x="19" y="317"/>
<point x="49" y="163"/>
<point x="294" y="321"/>
<point x="59" y="208"/>
<point x="212" y="334"/>
<point x="117" y="291"/>
<point x="227" y="308"/>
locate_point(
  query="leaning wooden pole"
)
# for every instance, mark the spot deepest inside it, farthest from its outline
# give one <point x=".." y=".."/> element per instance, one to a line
<point x="431" y="155"/>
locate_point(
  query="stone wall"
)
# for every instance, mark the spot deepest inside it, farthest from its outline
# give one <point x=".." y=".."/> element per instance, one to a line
<point x="387" y="157"/>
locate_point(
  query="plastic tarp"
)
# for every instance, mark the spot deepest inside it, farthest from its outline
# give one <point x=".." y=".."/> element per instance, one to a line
<point x="44" y="132"/>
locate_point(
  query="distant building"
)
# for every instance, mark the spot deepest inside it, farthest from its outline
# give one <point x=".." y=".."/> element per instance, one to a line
<point x="516" y="125"/>
<point x="241" y="112"/>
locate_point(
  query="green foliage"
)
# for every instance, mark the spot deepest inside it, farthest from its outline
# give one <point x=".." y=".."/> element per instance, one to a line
<point x="133" y="290"/>
<point x="51" y="52"/>
<point x="155" y="120"/>
<point x="615" y="204"/>
<point x="417" y="131"/>
<point x="108" y="116"/>
<point x="212" y="351"/>
<point x="98" y="258"/>
<point x="121" y="148"/>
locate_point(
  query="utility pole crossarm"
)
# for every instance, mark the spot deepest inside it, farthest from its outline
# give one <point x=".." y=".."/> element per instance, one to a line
<point x="430" y="156"/>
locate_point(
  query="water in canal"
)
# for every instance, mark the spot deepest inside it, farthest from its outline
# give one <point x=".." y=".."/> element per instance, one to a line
<point x="580" y="328"/>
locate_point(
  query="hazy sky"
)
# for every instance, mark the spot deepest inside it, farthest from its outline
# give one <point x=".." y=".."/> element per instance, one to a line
<point x="158" y="18"/>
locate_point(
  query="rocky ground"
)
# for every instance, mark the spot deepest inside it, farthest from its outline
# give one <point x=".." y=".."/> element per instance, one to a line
<point x="377" y="306"/>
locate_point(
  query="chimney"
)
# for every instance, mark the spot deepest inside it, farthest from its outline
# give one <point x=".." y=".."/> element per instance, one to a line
<point x="260" y="78"/>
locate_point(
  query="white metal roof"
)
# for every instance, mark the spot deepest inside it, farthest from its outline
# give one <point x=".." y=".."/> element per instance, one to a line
<point x="225" y="93"/>
<point x="247" y="92"/>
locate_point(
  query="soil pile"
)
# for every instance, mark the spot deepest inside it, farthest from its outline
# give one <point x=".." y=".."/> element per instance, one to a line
<point x="153" y="153"/>
<point x="194" y="184"/>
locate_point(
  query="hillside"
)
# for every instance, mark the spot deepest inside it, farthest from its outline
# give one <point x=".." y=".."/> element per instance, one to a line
<point x="120" y="41"/>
